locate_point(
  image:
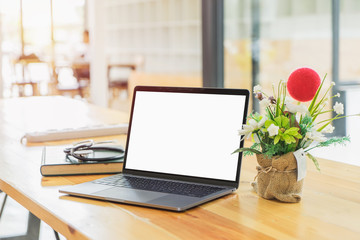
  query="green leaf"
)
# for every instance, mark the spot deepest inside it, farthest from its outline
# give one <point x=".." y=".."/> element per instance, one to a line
<point x="316" y="95"/>
<point x="256" y="146"/>
<point x="285" y="122"/>
<point x="274" y="149"/>
<point x="247" y="150"/>
<point x="331" y="141"/>
<point x="269" y="113"/>
<point x="277" y="139"/>
<point x="293" y="121"/>
<point x="298" y="135"/>
<point x="291" y="147"/>
<point x="256" y="116"/>
<point x="278" y="121"/>
<point x="289" y="139"/>
<point x="292" y="131"/>
<point x="268" y="123"/>
<point x="314" y="160"/>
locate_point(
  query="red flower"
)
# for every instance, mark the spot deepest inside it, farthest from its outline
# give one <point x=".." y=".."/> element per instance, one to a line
<point x="303" y="84"/>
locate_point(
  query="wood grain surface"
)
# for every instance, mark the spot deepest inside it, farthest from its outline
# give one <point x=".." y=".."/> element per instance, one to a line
<point x="330" y="208"/>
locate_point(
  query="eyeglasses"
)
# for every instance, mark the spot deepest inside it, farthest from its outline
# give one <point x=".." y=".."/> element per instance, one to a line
<point x="89" y="150"/>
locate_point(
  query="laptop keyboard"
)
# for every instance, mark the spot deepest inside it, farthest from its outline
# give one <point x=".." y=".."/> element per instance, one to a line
<point x="157" y="185"/>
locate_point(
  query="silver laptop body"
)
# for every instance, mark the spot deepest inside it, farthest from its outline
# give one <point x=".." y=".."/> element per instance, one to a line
<point x="179" y="149"/>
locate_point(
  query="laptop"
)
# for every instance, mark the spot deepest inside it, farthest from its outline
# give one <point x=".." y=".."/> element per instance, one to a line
<point x="179" y="149"/>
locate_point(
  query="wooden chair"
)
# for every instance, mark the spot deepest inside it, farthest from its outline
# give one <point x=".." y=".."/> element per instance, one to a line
<point x="118" y="75"/>
<point x="80" y="88"/>
<point x="25" y="78"/>
<point x="82" y="74"/>
<point x="119" y="81"/>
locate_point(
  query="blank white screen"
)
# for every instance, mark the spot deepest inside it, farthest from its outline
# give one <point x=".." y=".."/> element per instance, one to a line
<point x="186" y="133"/>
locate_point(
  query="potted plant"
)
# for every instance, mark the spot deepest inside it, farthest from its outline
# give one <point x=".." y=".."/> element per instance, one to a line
<point x="287" y="130"/>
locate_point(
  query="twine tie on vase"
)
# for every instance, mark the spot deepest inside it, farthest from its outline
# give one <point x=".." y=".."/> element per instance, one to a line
<point x="270" y="169"/>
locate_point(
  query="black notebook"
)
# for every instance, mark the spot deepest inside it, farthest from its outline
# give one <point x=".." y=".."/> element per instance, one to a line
<point x="55" y="163"/>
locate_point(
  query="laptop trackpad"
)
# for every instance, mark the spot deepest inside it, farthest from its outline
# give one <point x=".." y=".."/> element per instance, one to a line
<point x="125" y="194"/>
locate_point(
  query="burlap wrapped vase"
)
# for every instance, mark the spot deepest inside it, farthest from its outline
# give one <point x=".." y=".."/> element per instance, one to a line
<point x="277" y="178"/>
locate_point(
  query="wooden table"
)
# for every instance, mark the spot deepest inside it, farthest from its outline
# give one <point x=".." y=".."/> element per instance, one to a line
<point x="330" y="208"/>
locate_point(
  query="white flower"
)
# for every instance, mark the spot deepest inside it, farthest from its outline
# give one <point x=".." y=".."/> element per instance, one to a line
<point x="337" y="95"/>
<point x="288" y="100"/>
<point x="253" y="123"/>
<point x="264" y="103"/>
<point x="302" y="109"/>
<point x="339" y="108"/>
<point x="328" y="129"/>
<point x="252" y="126"/>
<point x="273" y="130"/>
<point x="315" y="136"/>
<point x="262" y="121"/>
<point x="332" y="83"/>
<point x="257" y="89"/>
<point x="293" y="108"/>
<point x="247" y="130"/>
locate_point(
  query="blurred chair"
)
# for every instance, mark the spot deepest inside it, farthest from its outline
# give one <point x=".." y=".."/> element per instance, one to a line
<point x="118" y="75"/>
<point x="27" y="76"/>
<point x="70" y="80"/>
<point x="82" y="74"/>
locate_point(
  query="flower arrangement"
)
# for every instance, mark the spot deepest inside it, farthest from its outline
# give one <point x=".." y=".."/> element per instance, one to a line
<point x="288" y="124"/>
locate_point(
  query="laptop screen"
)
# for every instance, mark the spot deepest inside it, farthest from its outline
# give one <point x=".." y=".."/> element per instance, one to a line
<point x="186" y="133"/>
